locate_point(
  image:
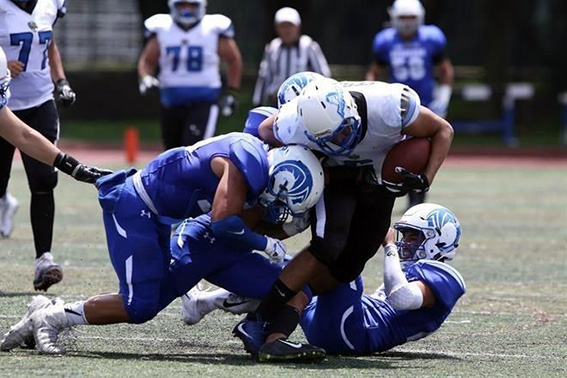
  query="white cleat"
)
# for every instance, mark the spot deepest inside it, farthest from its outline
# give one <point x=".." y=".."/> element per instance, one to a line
<point x="47" y="324"/>
<point x="47" y="272"/>
<point x="22" y="332"/>
<point x="198" y="303"/>
<point x="8" y="207"/>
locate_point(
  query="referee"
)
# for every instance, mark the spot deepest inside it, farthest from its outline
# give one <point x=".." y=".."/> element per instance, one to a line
<point x="286" y="55"/>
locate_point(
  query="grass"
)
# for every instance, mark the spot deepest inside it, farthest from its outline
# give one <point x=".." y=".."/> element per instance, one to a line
<point x="511" y="322"/>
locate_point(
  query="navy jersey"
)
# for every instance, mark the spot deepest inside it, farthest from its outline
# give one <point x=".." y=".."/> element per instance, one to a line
<point x="180" y="183"/>
<point x="347" y="322"/>
<point x="412" y="62"/>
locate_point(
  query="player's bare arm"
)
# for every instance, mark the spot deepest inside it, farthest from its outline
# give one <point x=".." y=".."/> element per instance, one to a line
<point x="148" y="61"/>
<point x="55" y="62"/>
<point x="230" y="53"/>
<point x="266" y="132"/>
<point x="446" y="72"/>
<point x="430" y="125"/>
<point x="231" y="192"/>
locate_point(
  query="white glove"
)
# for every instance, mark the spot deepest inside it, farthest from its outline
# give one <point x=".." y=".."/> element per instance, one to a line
<point x="297" y="225"/>
<point x="146" y="83"/>
<point x="441" y="99"/>
<point x="275" y="249"/>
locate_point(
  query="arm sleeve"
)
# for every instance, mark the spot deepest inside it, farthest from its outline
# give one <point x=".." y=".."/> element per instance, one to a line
<point x="401" y="294"/>
<point x="233" y="230"/>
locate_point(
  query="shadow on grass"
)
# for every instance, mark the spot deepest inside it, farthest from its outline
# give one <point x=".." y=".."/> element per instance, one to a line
<point x="5" y="294"/>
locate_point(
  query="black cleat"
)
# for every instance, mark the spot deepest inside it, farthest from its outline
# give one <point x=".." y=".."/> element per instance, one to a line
<point x="282" y="350"/>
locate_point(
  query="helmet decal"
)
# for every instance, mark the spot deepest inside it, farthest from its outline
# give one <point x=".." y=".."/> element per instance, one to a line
<point x="298" y="190"/>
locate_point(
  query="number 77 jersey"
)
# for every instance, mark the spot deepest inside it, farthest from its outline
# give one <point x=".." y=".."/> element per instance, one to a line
<point x="189" y="59"/>
<point x="26" y="37"/>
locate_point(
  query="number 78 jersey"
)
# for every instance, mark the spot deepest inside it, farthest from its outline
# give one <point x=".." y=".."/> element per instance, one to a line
<point x="189" y="59"/>
<point x="26" y="38"/>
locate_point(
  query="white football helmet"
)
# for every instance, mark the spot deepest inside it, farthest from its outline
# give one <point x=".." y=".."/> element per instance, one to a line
<point x="255" y="117"/>
<point x="295" y="185"/>
<point x="4" y="79"/>
<point x="407" y="8"/>
<point x="292" y="87"/>
<point x="330" y="116"/>
<point x="427" y="231"/>
<point x="185" y="17"/>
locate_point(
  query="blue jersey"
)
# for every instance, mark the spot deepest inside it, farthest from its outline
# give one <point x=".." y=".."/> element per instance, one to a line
<point x="347" y="322"/>
<point x="412" y="62"/>
<point x="180" y="183"/>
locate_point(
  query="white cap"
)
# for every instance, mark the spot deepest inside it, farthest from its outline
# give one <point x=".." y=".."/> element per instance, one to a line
<point x="287" y="14"/>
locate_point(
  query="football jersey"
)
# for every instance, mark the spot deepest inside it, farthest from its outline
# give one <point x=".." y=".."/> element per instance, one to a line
<point x="346" y="321"/>
<point x="189" y="59"/>
<point x="26" y="38"/>
<point x="180" y="183"/>
<point x="412" y="62"/>
<point x="382" y="121"/>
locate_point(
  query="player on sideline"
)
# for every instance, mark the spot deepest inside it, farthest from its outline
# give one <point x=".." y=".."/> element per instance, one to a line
<point x="26" y="35"/>
<point x="221" y="175"/>
<point x="418" y="293"/>
<point x="355" y="124"/>
<point x="187" y="45"/>
<point x="412" y="52"/>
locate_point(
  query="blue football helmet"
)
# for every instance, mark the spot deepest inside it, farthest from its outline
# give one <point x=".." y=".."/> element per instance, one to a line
<point x="292" y="87"/>
<point x="330" y="116"/>
<point x="295" y="184"/>
<point x="427" y="231"/>
<point x="255" y="117"/>
<point x="186" y="17"/>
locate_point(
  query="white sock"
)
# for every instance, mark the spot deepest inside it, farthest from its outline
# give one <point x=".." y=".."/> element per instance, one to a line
<point x="75" y="313"/>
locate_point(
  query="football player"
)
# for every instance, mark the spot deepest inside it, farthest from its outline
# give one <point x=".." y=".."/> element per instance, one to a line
<point x="412" y="52"/>
<point x="26" y="35"/>
<point x="187" y="45"/>
<point x="355" y="124"/>
<point x="418" y="293"/>
<point x="221" y="175"/>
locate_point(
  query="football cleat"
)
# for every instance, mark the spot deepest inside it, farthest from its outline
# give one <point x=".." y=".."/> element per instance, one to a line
<point x="197" y="303"/>
<point x="194" y="306"/>
<point x="251" y="331"/>
<point x="282" y="349"/>
<point x="22" y="332"/>
<point x="47" y="272"/>
<point x="47" y="324"/>
<point x="8" y="207"/>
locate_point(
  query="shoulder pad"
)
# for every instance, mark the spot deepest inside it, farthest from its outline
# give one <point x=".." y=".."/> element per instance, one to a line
<point x="410" y="106"/>
<point x="157" y="22"/>
<point x="250" y="156"/>
<point x="384" y="36"/>
<point x="221" y="24"/>
<point x="432" y="32"/>
<point x="444" y="280"/>
<point x="399" y="105"/>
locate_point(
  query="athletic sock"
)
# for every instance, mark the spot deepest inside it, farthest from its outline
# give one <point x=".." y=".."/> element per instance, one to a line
<point x="75" y="313"/>
<point x="42" y="212"/>
<point x="284" y="321"/>
<point x="277" y="297"/>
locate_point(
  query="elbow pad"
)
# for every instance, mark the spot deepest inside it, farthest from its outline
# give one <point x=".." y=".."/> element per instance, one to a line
<point x="233" y="230"/>
<point x="406" y="297"/>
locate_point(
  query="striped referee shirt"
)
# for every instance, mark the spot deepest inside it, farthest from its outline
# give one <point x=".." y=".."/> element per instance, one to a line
<point x="280" y="62"/>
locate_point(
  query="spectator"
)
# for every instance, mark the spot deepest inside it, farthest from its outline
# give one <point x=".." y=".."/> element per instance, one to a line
<point x="286" y="55"/>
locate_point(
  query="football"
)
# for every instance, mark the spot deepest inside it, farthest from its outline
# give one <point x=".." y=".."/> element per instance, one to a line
<point x="411" y="154"/>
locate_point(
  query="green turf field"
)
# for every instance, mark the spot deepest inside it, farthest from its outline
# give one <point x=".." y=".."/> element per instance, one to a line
<point x="512" y="321"/>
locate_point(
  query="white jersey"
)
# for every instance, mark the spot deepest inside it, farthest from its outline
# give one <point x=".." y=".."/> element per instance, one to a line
<point x="26" y="38"/>
<point x="189" y="58"/>
<point x="383" y="118"/>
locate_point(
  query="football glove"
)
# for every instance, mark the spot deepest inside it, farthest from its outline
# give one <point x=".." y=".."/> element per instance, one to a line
<point x="228" y="103"/>
<point x="146" y="83"/>
<point x="81" y="172"/>
<point x="276" y="250"/>
<point x="64" y="94"/>
<point x="441" y="99"/>
<point x="410" y="183"/>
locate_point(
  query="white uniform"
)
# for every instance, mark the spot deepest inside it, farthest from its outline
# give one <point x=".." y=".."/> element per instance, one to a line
<point x="26" y="37"/>
<point x="383" y="115"/>
<point x="189" y="60"/>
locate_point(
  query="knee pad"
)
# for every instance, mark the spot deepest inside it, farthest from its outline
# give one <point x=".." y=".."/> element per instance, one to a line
<point x="323" y="251"/>
<point x="141" y="312"/>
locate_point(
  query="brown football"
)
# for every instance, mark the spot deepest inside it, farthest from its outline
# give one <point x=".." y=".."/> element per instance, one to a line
<point x="411" y="154"/>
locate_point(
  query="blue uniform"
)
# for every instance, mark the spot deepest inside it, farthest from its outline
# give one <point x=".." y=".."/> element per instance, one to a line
<point x="139" y="206"/>
<point x="412" y="62"/>
<point x="346" y="321"/>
